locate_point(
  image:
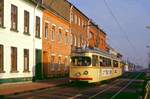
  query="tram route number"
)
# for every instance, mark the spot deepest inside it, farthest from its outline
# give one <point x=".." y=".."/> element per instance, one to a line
<point x="106" y="72"/>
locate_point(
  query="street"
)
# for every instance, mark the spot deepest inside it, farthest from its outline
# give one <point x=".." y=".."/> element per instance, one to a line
<point x="129" y="86"/>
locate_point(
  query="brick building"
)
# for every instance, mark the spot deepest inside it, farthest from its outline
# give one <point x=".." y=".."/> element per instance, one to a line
<point x="78" y="27"/>
<point x="55" y="44"/>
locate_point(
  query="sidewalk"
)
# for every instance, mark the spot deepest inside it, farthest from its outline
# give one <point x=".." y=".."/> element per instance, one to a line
<point x="16" y="88"/>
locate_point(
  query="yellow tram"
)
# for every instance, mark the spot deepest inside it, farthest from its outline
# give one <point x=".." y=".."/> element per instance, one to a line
<point x="94" y="66"/>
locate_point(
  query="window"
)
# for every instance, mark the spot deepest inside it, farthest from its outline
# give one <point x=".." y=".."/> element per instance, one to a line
<point x="75" y="41"/>
<point x="53" y="33"/>
<point x="80" y="61"/>
<point x="37" y="33"/>
<point x="52" y="62"/>
<point x="79" y="21"/>
<point x="46" y="30"/>
<point x="78" y="41"/>
<point x="71" y="17"/>
<point x="81" y="39"/>
<point x="66" y="38"/>
<point x="94" y="60"/>
<point x="1" y="13"/>
<point x="82" y="24"/>
<point x="60" y="36"/>
<point x="76" y="19"/>
<point x="26" y="22"/>
<point x="13" y="59"/>
<point x="90" y="35"/>
<point x="66" y="63"/>
<point x="1" y="58"/>
<point x="14" y="17"/>
<point x="39" y="1"/>
<point x="115" y="63"/>
<point x="105" y="62"/>
<point x="59" y="61"/>
<point x="26" y="60"/>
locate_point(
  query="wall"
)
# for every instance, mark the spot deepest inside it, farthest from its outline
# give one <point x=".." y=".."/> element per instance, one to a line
<point x="18" y="39"/>
<point x="54" y="48"/>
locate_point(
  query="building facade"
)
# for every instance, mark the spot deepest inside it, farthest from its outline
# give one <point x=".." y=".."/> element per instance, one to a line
<point x="56" y="45"/>
<point x="78" y="27"/>
<point x="96" y="37"/>
<point x="20" y="40"/>
<point x="38" y="36"/>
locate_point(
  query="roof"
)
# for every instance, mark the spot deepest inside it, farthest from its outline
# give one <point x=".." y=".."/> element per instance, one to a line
<point x="77" y="9"/>
<point x="59" y="7"/>
<point x="97" y="26"/>
<point x="95" y="50"/>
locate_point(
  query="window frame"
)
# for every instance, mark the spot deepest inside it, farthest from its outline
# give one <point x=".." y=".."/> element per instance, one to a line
<point x="66" y="38"/>
<point x="14" y="18"/>
<point x="14" y="59"/>
<point x="53" y="30"/>
<point x="59" y="35"/>
<point x="38" y="27"/>
<point x="46" y="30"/>
<point x="114" y="65"/>
<point x="26" y="21"/>
<point x="52" y="63"/>
<point x="1" y="58"/>
<point x="2" y="14"/>
<point x="95" y="61"/>
<point x="26" y="54"/>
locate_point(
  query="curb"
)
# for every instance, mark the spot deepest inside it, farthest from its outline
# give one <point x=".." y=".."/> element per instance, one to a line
<point x="32" y="90"/>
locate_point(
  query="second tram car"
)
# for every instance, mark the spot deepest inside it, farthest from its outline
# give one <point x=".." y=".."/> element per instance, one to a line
<point x="94" y="66"/>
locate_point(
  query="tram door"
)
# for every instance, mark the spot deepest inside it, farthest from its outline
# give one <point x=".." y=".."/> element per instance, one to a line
<point x="38" y="66"/>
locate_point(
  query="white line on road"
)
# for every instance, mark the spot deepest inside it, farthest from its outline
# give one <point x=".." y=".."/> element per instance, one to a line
<point x="75" y="96"/>
<point x="104" y="90"/>
<point x="109" y="88"/>
<point x="125" y="87"/>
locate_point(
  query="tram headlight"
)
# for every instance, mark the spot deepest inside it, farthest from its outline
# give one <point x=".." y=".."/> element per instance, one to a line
<point x="77" y="74"/>
<point x="85" y="72"/>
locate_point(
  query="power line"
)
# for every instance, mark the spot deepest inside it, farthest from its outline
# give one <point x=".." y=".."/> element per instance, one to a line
<point x="120" y="27"/>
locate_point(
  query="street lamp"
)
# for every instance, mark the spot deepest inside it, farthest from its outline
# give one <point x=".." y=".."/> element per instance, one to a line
<point x="148" y="27"/>
<point x="148" y="55"/>
<point x="148" y="46"/>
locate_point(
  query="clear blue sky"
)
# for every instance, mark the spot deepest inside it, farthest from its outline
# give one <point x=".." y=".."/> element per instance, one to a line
<point x="133" y="15"/>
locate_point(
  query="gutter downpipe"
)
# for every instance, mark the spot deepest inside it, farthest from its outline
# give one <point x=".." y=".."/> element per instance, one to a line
<point x="34" y="23"/>
<point x="88" y="33"/>
<point x="70" y="26"/>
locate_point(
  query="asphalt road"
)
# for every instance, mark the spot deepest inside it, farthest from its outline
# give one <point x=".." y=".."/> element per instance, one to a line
<point x="130" y="86"/>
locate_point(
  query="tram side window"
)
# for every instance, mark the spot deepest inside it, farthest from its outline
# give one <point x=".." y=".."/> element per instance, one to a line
<point x="106" y="62"/>
<point x="80" y="61"/>
<point x="94" y="60"/>
<point x="101" y="61"/>
<point x="115" y="63"/>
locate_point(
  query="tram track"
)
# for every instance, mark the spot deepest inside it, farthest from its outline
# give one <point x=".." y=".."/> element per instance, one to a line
<point x="102" y="91"/>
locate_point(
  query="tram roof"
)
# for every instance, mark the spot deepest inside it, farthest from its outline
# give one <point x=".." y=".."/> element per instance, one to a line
<point x="94" y="50"/>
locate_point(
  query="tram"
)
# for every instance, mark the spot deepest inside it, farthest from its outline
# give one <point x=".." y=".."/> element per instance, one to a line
<point x="93" y="66"/>
<point x="147" y="94"/>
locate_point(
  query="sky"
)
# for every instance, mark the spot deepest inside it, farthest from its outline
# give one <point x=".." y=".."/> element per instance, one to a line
<point x="133" y="16"/>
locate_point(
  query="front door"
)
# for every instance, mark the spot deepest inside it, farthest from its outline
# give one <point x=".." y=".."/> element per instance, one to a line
<point x="38" y="66"/>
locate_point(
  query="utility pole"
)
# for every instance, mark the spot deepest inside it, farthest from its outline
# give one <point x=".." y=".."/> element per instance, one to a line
<point x="148" y="57"/>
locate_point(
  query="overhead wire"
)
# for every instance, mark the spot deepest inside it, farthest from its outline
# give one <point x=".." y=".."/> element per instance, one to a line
<point x="120" y="27"/>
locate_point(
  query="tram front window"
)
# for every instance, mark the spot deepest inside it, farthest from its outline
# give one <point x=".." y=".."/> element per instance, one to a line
<point x="80" y="61"/>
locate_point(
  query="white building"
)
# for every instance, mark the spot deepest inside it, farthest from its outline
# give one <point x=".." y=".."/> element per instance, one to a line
<point x="20" y="39"/>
